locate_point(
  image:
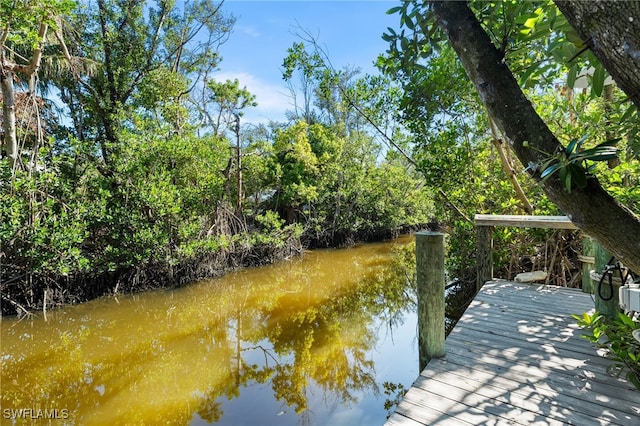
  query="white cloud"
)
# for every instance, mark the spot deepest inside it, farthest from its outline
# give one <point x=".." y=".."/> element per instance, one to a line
<point x="273" y="101"/>
<point x="249" y="30"/>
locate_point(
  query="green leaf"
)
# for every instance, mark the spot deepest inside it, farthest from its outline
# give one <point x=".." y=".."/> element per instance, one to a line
<point x="568" y="51"/>
<point x="552" y="18"/>
<point x="531" y="22"/>
<point x="394" y="10"/>
<point x="571" y="76"/>
<point x="578" y="175"/>
<point x="597" y="82"/>
<point x="540" y="31"/>
<point x="565" y="177"/>
<point x="588" y="154"/>
<point x="572" y="146"/>
<point x="603" y="152"/>
<point x="626" y="320"/>
<point x="524" y="77"/>
<point x="570" y="33"/>
<point x="610" y="142"/>
<point x="409" y="23"/>
<point x="604" y="157"/>
<point x="550" y="170"/>
<point x="581" y="141"/>
<point x="628" y="113"/>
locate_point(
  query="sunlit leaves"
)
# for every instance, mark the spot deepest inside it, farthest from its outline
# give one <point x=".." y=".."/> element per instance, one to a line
<point x="160" y="91"/>
<point x="298" y="164"/>
<point x="44" y="223"/>
<point x="615" y="336"/>
<point x="20" y="20"/>
<point x="298" y="58"/>
<point x="225" y="102"/>
<point x="571" y="163"/>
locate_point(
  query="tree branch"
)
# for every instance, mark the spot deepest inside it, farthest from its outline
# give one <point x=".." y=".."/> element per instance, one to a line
<point x="591" y="209"/>
<point x="611" y="30"/>
<point x="499" y="143"/>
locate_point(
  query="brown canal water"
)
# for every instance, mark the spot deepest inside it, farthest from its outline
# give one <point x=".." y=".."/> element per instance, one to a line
<point x="303" y="342"/>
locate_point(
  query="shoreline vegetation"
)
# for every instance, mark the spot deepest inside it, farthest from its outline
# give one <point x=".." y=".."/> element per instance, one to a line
<point x="54" y="292"/>
<point x="32" y="293"/>
<point x="142" y="172"/>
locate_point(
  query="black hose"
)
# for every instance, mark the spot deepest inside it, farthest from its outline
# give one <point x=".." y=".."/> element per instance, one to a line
<point x="606" y="272"/>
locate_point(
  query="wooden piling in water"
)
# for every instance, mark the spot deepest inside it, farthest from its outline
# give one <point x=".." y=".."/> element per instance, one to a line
<point x="430" y="286"/>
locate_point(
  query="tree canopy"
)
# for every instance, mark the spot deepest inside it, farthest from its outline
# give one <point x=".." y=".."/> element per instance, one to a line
<point x="126" y="162"/>
<point x="509" y="48"/>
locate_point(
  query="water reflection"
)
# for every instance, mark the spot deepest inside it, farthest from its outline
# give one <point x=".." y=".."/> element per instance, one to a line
<point x="304" y="330"/>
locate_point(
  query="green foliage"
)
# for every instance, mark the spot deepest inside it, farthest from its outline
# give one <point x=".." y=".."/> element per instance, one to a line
<point x="21" y="20"/>
<point x="159" y="92"/>
<point x="274" y="232"/>
<point x="229" y="101"/>
<point x="151" y="167"/>
<point x="605" y="121"/>
<point x="296" y="168"/>
<point x="623" y="183"/>
<point x="571" y="163"/>
<point x="43" y="224"/>
<point x="449" y="127"/>
<point x="298" y="58"/>
<point x="615" y="336"/>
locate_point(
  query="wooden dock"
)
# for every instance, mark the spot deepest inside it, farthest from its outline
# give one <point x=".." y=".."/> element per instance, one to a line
<point x="516" y="358"/>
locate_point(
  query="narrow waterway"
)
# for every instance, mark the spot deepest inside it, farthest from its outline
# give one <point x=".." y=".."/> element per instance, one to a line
<point x="309" y="341"/>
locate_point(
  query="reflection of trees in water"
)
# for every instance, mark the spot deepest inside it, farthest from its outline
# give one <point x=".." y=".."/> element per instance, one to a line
<point x="331" y="338"/>
<point x="161" y="359"/>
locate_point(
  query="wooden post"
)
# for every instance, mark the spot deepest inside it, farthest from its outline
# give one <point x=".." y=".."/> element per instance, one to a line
<point x="610" y="308"/>
<point x="588" y="264"/>
<point x="484" y="255"/>
<point x="430" y="283"/>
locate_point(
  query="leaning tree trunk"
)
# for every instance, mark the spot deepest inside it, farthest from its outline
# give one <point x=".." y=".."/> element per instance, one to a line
<point x="591" y="209"/>
<point x="611" y="29"/>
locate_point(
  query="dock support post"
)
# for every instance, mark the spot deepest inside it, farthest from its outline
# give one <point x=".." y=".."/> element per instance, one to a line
<point x="484" y="255"/>
<point x="430" y="283"/>
<point x="588" y="263"/>
<point x="610" y="306"/>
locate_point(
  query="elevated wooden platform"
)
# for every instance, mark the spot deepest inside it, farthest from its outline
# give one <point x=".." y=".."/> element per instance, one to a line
<point x="516" y="358"/>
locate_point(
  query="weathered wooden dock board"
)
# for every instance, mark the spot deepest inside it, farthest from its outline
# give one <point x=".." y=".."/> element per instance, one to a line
<point x="516" y="358"/>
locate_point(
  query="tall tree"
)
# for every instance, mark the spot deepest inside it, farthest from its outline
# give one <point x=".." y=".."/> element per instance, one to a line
<point x="23" y="33"/>
<point x="132" y="42"/>
<point x="590" y="207"/>
<point x="222" y="105"/>
<point x="222" y="102"/>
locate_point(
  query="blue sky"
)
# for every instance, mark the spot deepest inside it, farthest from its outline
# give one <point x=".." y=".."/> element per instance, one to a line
<point x="349" y="31"/>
